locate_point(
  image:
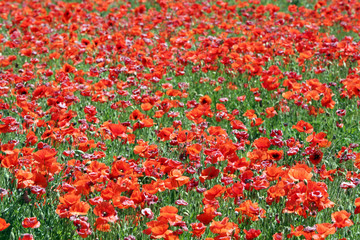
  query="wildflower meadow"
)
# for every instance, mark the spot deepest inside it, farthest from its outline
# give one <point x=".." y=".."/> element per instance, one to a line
<point x="179" y="119"/>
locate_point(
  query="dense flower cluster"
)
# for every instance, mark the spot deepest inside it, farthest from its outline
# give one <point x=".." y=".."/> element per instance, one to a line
<point x="179" y="119"/>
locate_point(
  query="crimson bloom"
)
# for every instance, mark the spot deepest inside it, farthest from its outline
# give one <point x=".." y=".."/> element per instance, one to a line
<point x="26" y="236"/>
<point x="31" y="222"/>
<point x="252" y="233"/>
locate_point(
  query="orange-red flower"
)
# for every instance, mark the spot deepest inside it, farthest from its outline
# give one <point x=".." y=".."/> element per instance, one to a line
<point x="252" y="210"/>
<point x="275" y="155"/>
<point x="224" y="227"/>
<point x="79" y="208"/>
<point x="303" y="126"/>
<point x="106" y="211"/>
<point x="209" y="173"/>
<point x="262" y="143"/>
<point x="324" y="230"/>
<point x="3" y="224"/>
<point x="252" y="233"/>
<point x="31" y="222"/>
<point x="300" y="172"/>
<point x="341" y="219"/>
<point x="157" y="228"/>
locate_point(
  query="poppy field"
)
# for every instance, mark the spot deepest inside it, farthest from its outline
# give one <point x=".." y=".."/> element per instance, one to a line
<point x="179" y="119"/>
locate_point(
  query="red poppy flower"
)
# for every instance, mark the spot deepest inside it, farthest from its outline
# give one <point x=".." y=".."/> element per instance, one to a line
<point x="303" y="126"/>
<point x="252" y="233"/>
<point x="209" y="173"/>
<point x="157" y="228"/>
<point x="252" y="210"/>
<point x="80" y="208"/>
<point x="357" y="205"/>
<point x="214" y="192"/>
<point x="262" y="143"/>
<point x="31" y="222"/>
<point x="316" y="157"/>
<point x="208" y="215"/>
<point x="102" y="225"/>
<point x="300" y="172"/>
<point x="3" y="224"/>
<point x="341" y="219"/>
<point x="106" y="211"/>
<point x="117" y="129"/>
<point x="270" y="112"/>
<point x="146" y="106"/>
<point x="275" y="155"/>
<point x="205" y="100"/>
<point x="82" y="228"/>
<point x="147" y="213"/>
<point x="278" y="236"/>
<point x="323" y="230"/>
<point x="237" y="124"/>
<point x="250" y="114"/>
<point x="224" y="227"/>
<point x="26" y="236"/>
<point x="198" y="229"/>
